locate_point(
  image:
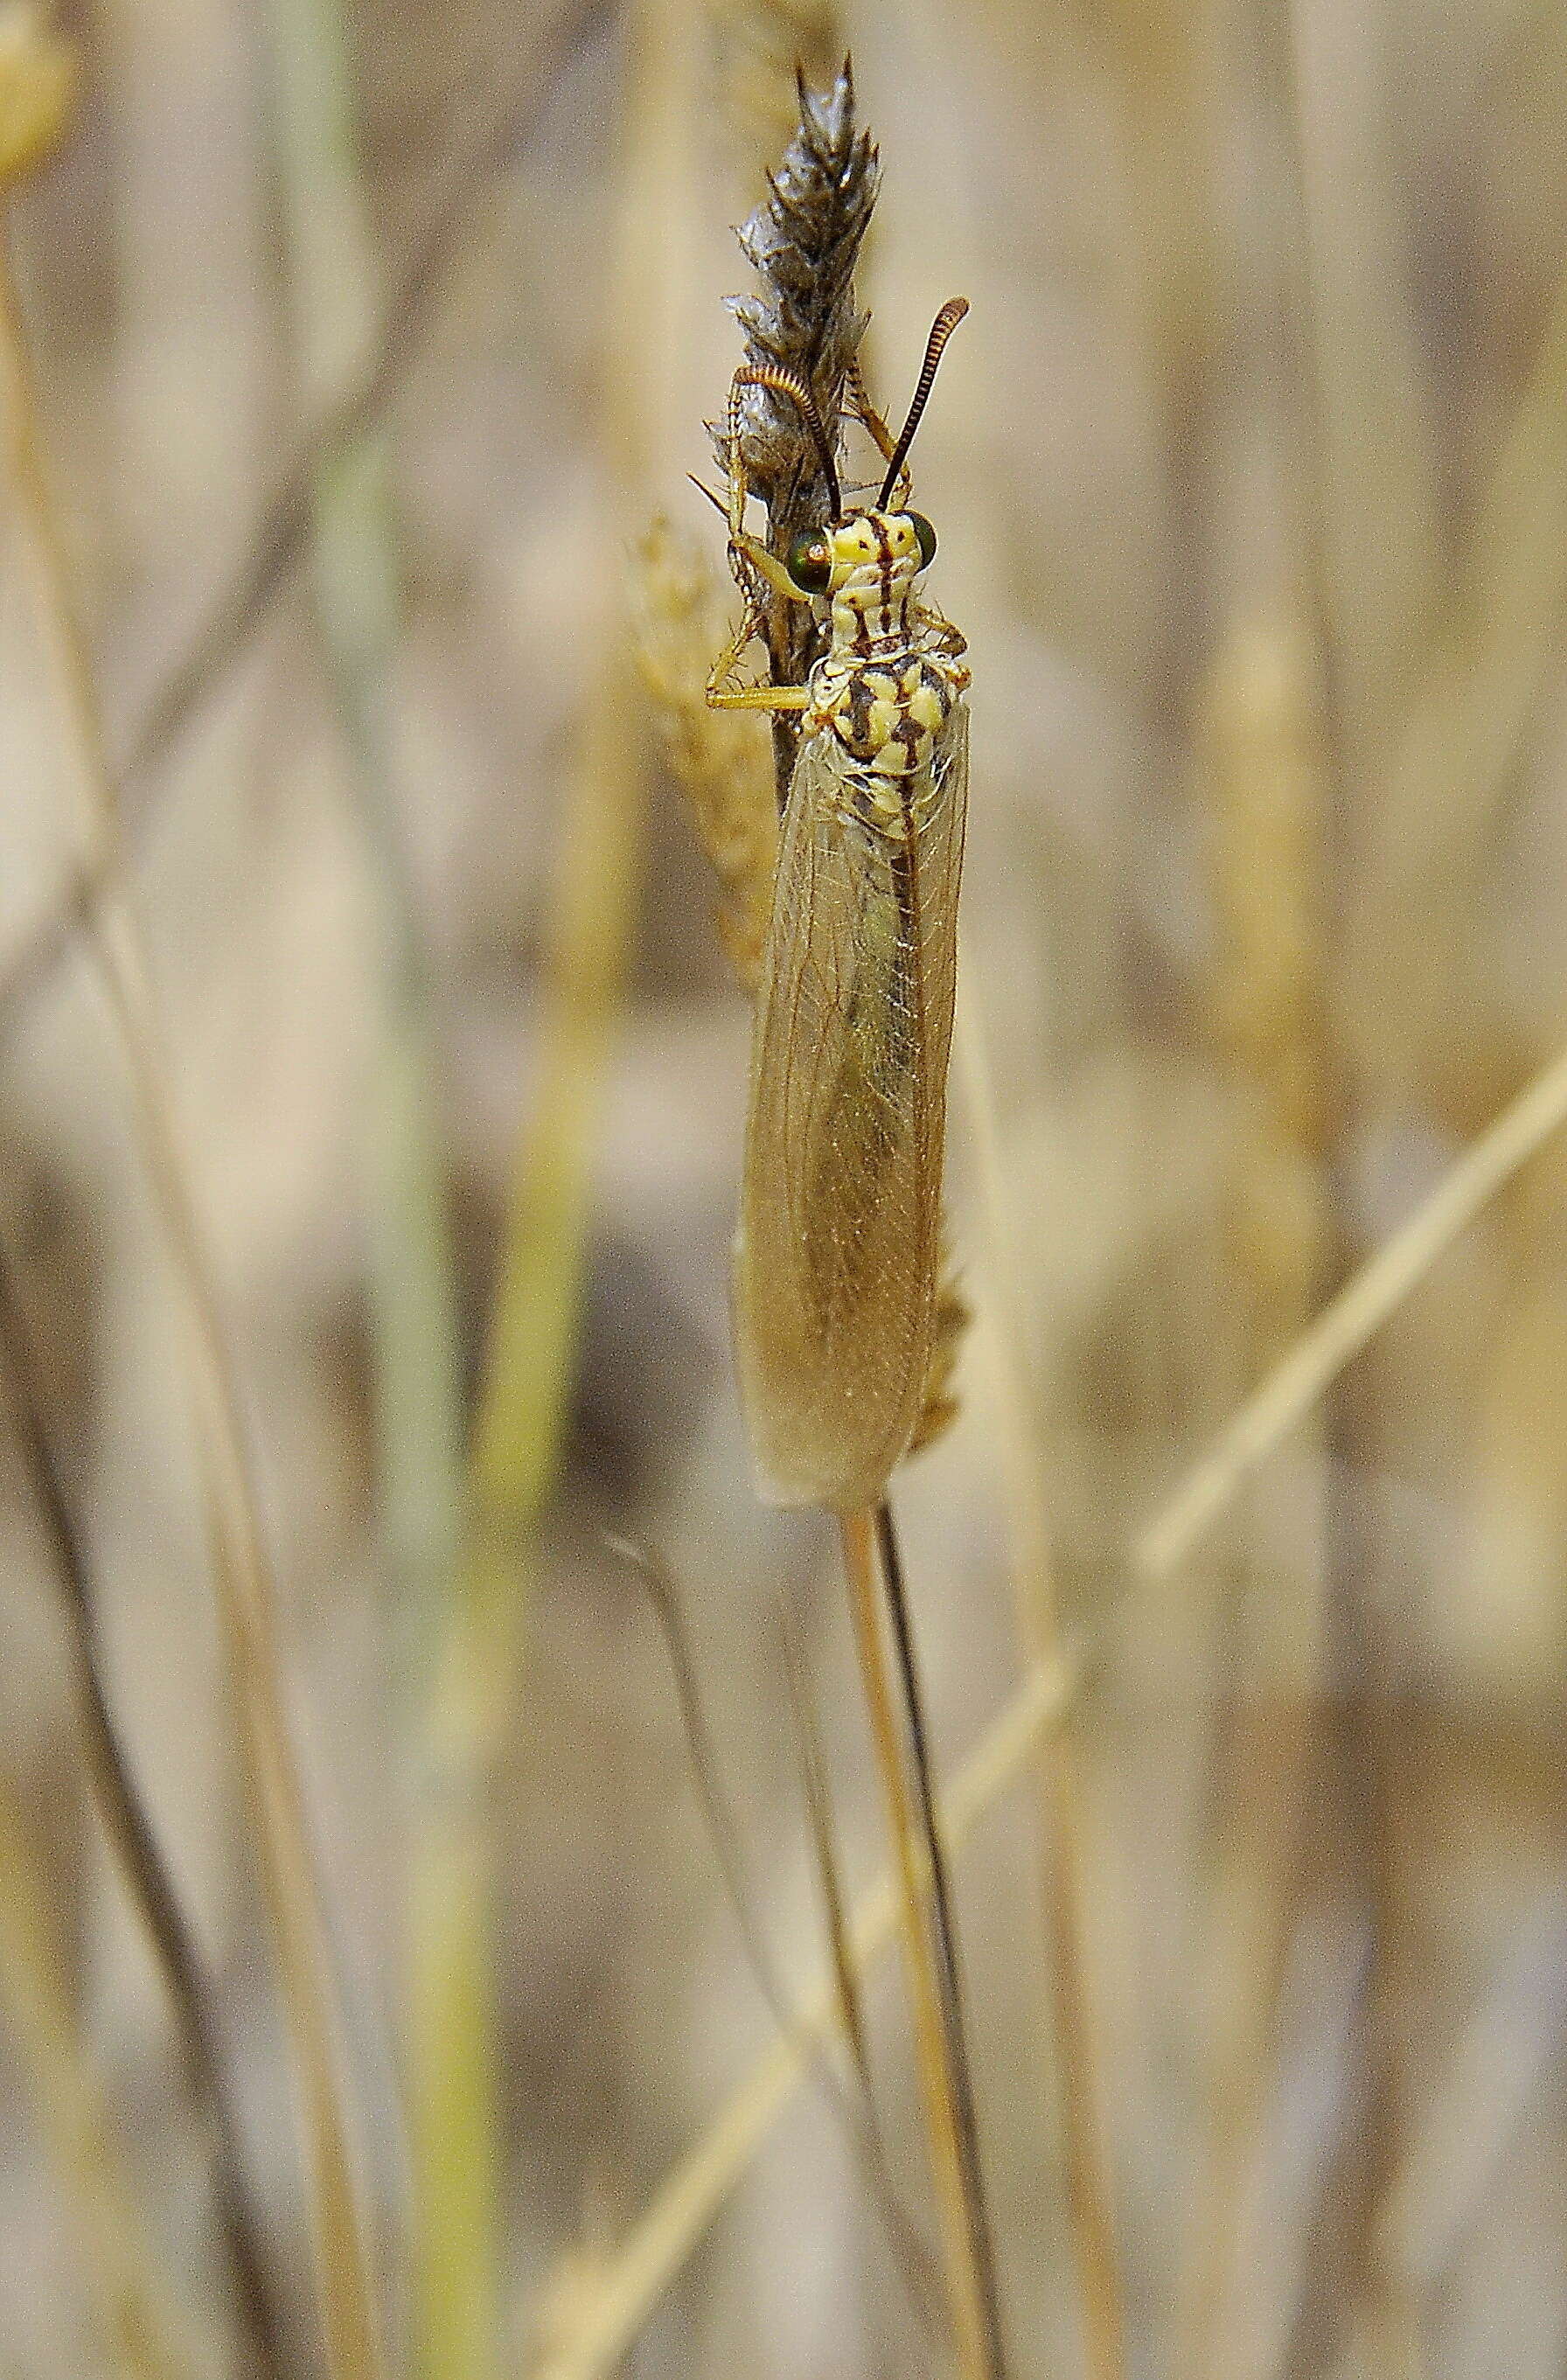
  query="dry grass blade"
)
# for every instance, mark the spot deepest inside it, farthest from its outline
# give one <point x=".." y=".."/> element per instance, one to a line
<point x="1457" y="752"/>
<point x="1374" y="454"/>
<point x="531" y="1330"/>
<point x="128" y="1826"/>
<point x="1345" y="1326"/>
<point x="482" y="139"/>
<point x="243" y="1573"/>
<point x="631" y="2284"/>
<point x="1505" y="2056"/>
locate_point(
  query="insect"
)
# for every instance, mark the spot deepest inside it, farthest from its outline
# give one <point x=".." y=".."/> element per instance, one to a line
<point x="837" y="1254"/>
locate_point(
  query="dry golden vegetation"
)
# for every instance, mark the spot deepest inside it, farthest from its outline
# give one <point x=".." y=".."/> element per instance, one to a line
<point x="447" y="1924"/>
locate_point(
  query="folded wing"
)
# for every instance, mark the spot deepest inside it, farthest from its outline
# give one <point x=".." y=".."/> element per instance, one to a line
<point x="837" y="1253"/>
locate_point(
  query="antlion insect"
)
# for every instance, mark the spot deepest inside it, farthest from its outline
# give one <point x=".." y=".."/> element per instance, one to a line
<point x="837" y="1256"/>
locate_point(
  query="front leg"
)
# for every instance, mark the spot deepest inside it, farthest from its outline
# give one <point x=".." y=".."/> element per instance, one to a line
<point x="758" y="698"/>
<point x="724" y="696"/>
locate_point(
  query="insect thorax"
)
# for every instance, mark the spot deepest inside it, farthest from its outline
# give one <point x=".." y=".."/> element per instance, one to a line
<point x="887" y="711"/>
<point x="889" y="676"/>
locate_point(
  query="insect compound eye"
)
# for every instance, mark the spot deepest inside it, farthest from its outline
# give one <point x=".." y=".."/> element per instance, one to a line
<point x="810" y="563"/>
<point x="926" y="537"/>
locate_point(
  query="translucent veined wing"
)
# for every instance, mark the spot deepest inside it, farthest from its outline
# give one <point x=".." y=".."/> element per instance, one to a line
<point x="836" y="1257"/>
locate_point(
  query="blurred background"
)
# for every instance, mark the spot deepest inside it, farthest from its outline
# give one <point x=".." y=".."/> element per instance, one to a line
<point x="369" y="341"/>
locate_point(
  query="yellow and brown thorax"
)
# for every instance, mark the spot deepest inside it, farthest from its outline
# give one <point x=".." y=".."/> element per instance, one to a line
<point x="889" y="679"/>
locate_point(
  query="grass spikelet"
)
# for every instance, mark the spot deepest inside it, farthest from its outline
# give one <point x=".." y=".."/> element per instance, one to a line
<point x="38" y="80"/>
<point x="720" y="759"/>
<point x="1260" y="748"/>
<point x="804" y="243"/>
<point x="1263" y="780"/>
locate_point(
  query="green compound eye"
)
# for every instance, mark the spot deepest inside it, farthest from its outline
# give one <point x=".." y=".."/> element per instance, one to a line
<point x="810" y="563"/>
<point x="926" y="537"/>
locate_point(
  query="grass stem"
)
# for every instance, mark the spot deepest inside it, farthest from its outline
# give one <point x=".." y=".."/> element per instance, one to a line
<point x="939" y="2059"/>
<point x="954" y="2020"/>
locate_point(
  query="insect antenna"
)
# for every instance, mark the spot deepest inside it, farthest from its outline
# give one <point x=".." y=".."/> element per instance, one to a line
<point x="942" y="330"/>
<point x="790" y="383"/>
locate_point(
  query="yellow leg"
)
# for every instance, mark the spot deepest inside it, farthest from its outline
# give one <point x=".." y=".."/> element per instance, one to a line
<point x="765" y="566"/>
<point x="757" y="697"/>
<point x="723" y="696"/>
<point x="865" y="412"/>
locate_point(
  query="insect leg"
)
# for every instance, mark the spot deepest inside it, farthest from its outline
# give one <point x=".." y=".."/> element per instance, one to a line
<point x="865" y="412"/>
<point x="756" y="697"/>
<point x="940" y="632"/>
<point x="722" y="695"/>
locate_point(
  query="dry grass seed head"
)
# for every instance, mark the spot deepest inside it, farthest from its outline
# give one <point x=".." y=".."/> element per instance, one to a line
<point x="721" y="760"/>
<point x="38" y="80"/>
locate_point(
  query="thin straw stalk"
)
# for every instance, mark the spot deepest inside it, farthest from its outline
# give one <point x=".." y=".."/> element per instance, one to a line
<point x="853" y="2107"/>
<point x="816" y="1786"/>
<point x="1349" y="1322"/>
<point x="515" y="1454"/>
<point x="935" y="2049"/>
<point x="359" y="604"/>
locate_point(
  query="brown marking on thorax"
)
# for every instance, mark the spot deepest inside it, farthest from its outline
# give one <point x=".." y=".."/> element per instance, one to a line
<point x="887" y="683"/>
